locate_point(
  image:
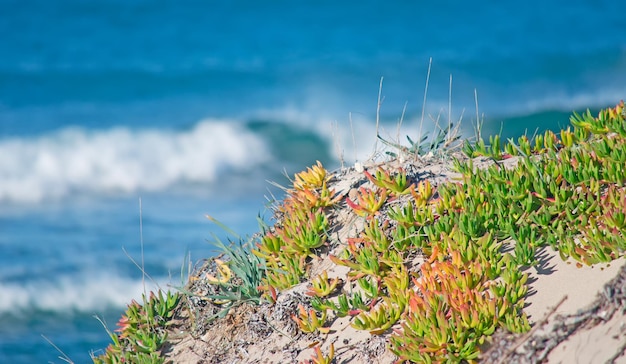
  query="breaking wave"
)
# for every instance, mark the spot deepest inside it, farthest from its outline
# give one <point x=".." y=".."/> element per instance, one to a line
<point x="89" y="294"/>
<point x="123" y="160"/>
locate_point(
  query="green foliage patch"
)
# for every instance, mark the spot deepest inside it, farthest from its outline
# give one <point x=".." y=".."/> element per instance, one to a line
<point x="475" y="236"/>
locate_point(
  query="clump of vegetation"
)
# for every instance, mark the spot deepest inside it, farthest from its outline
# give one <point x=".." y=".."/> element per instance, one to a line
<point x="300" y="229"/>
<point x="141" y="331"/>
<point x="237" y="279"/>
<point x="557" y="194"/>
<point x="474" y="237"/>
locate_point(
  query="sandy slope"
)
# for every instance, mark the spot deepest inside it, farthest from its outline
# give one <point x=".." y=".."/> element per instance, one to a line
<point x="560" y="293"/>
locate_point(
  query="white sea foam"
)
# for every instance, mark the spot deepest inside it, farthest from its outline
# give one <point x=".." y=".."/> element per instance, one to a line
<point x="121" y="159"/>
<point x="87" y="294"/>
<point x="352" y="136"/>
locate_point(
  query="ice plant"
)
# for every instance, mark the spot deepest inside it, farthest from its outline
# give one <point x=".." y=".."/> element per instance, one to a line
<point x="565" y="190"/>
<point x="395" y="186"/>
<point x="321" y="286"/>
<point x="309" y="322"/>
<point x="141" y="331"/>
<point x="368" y="201"/>
<point x="319" y="357"/>
<point x="363" y="260"/>
<point x="380" y="318"/>
<point x="313" y="177"/>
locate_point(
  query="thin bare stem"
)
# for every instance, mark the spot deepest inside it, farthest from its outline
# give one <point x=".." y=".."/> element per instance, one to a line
<point x="400" y="122"/>
<point x="479" y="126"/>
<point x="430" y="63"/>
<point x="378" y="105"/>
<point x="449" y="106"/>
<point x="453" y="135"/>
<point x="143" y="276"/>
<point x="272" y="201"/>
<point x="141" y="268"/>
<point x="187" y="262"/>
<point x="63" y="356"/>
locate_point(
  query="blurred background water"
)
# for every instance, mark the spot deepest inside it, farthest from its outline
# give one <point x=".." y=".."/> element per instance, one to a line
<point x="191" y="106"/>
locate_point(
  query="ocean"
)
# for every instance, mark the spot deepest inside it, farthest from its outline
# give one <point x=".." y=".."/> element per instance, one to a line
<point x="123" y="123"/>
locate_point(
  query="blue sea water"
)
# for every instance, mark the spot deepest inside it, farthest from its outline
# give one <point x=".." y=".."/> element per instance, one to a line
<point x="124" y="122"/>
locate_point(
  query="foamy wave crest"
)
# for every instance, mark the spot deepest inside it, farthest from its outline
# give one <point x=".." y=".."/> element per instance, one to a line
<point x="121" y="159"/>
<point x="86" y="295"/>
<point x="352" y="137"/>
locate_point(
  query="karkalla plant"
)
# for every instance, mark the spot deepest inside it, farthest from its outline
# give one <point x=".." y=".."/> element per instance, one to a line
<point x="300" y="229"/>
<point x="451" y="311"/>
<point x="469" y="287"/>
<point x="378" y="319"/>
<point x="368" y="201"/>
<point x="314" y="177"/>
<point x="310" y="189"/>
<point x="308" y="320"/>
<point x="346" y="304"/>
<point x="322" y="286"/>
<point x="141" y="331"/>
<point x="565" y="190"/>
<point x="319" y="357"/>
<point x="394" y="185"/>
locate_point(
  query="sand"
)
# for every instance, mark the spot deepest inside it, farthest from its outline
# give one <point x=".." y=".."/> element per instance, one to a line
<point x="575" y="318"/>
